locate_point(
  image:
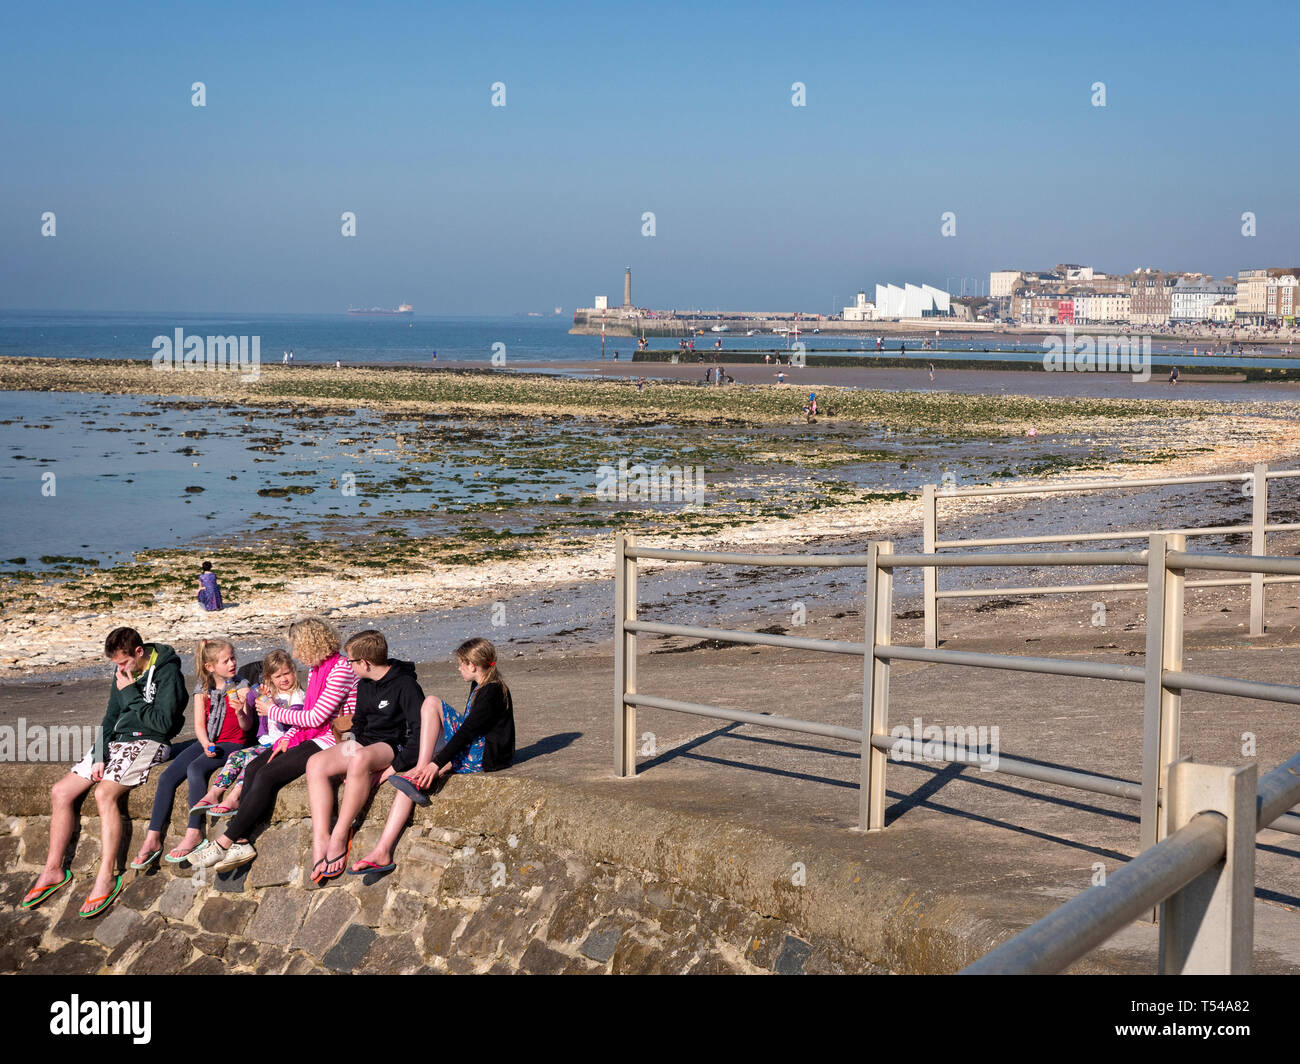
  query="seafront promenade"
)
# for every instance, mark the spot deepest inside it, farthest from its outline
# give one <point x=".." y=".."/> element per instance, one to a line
<point x="734" y="848"/>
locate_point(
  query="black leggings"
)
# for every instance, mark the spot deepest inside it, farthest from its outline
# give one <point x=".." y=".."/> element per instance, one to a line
<point x="263" y="779"/>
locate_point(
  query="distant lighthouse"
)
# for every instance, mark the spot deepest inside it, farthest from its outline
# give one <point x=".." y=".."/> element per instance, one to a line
<point x="627" y="287"/>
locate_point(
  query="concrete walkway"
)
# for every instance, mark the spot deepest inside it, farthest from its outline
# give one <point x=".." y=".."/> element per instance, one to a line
<point x="976" y="856"/>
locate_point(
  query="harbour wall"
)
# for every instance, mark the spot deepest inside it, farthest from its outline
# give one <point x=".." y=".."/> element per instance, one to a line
<point x="499" y="874"/>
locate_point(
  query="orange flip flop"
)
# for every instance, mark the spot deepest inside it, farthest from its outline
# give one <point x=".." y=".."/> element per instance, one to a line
<point x="103" y="903"/>
<point x="44" y="892"/>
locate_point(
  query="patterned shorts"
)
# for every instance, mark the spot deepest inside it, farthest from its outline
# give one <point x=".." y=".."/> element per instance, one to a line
<point x="127" y="763"/>
<point x="471" y="758"/>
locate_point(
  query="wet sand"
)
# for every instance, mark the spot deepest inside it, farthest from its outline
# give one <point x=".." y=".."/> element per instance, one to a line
<point x="560" y="596"/>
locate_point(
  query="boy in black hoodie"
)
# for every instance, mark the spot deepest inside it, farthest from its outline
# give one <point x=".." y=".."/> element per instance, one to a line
<point x="385" y="737"/>
<point x="146" y="709"/>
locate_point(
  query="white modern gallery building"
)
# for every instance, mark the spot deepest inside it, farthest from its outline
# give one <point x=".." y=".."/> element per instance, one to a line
<point x="910" y="301"/>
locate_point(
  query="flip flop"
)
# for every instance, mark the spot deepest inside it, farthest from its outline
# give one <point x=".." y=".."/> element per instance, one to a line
<point x="140" y="866"/>
<point x="103" y="903"/>
<point x="172" y="857"/>
<point x="325" y="877"/>
<point x="30" y="903"/>
<point x="219" y="811"/>
<point x="199" y="807"/>
<point x="372" y="869"/>
<point x="409" y="789"/>
<point x="315" y="874"/>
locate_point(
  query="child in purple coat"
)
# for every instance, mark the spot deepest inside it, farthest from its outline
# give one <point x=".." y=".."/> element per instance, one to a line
<point x="209" y="593"/>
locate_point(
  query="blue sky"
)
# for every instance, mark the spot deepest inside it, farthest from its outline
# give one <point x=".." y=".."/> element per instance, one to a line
<point x="680" y="109"/>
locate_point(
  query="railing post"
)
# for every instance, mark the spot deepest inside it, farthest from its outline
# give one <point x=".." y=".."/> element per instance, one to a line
<point x="624" y="657"/>
<point x="879" y="613"/>
<point x="1161" y="707"/>
<point x="930" y="574"/>
<point x="1258" y="545"/>
<point x="1208" y="927"/>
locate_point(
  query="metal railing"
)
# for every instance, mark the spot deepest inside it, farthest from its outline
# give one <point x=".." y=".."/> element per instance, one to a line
<point x="1258" y="528"/>
<point x="1162" y="677"/>
<point x="1202" y="875"/>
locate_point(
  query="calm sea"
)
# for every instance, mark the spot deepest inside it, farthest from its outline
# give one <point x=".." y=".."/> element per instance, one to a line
<point x="362" y="339"/>
<point x="312" y="337"/>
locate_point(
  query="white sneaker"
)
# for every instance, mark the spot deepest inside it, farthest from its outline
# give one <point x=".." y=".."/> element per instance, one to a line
<point x="240" y="853"/>
<point x="205" y="855"/>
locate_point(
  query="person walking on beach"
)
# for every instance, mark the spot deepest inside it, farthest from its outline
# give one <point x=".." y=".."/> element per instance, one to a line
<point x="209" y="594"/>
<point x="1173" y="376"/>
<point x="285" y="361"/>
<point x="932" y="371"/>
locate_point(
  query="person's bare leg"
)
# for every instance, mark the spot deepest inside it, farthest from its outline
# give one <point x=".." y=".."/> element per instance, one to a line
<point x="322" y="767"/>
<point x="62" y="823"/>
<point x="107" y="796"/>
<point x="212" y="795"/>
<point x="400" y="813"/>
<point x="153" y="840"/>
<point x="232" y="799"/>
<point x="363" y="765"/>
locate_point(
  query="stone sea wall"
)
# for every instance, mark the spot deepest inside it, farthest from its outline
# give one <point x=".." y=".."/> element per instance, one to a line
<point x="500" y="874"/>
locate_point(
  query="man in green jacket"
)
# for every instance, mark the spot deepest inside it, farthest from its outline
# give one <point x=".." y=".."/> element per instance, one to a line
<point x="146" y="710"/>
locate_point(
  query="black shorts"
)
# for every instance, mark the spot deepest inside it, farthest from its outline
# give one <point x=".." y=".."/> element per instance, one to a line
<point x="405" y="759"/>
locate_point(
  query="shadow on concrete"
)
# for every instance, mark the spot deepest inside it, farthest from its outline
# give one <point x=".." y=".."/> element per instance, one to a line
<point x="1272" y="895"/>
<point x="550" y="745"/>
<point x="964" y="814"/>
<point x="684" y="751"/>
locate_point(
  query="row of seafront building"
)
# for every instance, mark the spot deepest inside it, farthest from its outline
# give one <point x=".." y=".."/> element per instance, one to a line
<point x="1068" y="294"/>
<point x="1071" y="295"/>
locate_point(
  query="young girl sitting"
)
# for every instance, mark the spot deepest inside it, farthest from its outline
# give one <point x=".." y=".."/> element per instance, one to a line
<point x="480" y="739"/>
<point x="331" y="692"/>
<point x="222" y="724"/>
<point x="209" y="593"/>
<point x="279" y="688"/>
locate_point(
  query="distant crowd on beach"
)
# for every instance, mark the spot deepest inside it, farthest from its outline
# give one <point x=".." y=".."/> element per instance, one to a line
<point x="360" y="717"/>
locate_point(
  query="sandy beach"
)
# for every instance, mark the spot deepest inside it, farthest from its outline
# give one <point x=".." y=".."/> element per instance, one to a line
<point x="56" y="620"/>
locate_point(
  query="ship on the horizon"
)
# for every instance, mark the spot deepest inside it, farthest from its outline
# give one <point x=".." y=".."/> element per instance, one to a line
<point x="403" y="309"/>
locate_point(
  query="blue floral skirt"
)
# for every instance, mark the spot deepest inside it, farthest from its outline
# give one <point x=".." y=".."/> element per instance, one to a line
<point x="471" y="758"/>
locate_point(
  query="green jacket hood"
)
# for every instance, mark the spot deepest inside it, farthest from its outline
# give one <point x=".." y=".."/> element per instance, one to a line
<point x="153" y="707"/>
